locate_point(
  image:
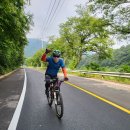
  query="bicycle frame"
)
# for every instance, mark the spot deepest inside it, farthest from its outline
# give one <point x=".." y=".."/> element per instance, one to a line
<point x="54" y="94"/>
<point x="54" y="88"/>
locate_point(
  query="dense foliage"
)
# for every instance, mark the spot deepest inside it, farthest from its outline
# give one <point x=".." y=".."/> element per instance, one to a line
<point x="120" y="61"/>
<point x="116" y="12"/>
<point x="14" y="24"/>
<point x="82" y="34"/>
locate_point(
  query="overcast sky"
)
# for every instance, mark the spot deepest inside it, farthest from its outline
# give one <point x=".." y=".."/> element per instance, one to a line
<point x="39" y="9"/>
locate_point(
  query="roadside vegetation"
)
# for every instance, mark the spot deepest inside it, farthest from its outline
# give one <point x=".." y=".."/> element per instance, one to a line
<point x="14" y="24"/>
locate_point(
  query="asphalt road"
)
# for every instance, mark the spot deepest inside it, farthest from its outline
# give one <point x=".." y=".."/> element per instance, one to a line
<point x="81" y="111"/>
<point x="10" y="91"/>
<point x="115" y="92"/>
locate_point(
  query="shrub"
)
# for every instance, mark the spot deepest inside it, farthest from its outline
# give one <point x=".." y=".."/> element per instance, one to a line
<point x="125" y="68"/>
<point x="93" y="66"/>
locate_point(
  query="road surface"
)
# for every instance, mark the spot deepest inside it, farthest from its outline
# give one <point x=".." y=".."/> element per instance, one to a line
<point x="81" y="111"/>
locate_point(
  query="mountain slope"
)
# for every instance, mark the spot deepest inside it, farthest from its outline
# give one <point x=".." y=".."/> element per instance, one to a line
<point x="33" y="46"/>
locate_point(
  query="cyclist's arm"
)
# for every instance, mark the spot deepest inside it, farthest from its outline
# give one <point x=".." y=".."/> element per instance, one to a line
<point x="44" y="57"/>
<point x="64" y="72"/>
<point x="63" y="68"/>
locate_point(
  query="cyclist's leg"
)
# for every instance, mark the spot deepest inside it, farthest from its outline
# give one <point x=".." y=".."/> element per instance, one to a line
<point x="47" y="84"/>
<point x="56" y="82"/>
<point x="46" y="87"/>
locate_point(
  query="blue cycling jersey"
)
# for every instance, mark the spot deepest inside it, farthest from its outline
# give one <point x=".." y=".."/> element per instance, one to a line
<point x="53" y="68"/>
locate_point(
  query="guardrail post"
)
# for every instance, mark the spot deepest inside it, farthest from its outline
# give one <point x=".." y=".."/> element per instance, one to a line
<point x="102" y="76"/>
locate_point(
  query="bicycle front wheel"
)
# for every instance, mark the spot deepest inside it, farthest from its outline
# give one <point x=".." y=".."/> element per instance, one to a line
<point x="50" y="98"/>
<point x="59" y="105"/>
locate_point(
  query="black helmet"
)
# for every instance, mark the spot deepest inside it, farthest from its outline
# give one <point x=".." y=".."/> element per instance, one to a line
<point x="56" y="53"/>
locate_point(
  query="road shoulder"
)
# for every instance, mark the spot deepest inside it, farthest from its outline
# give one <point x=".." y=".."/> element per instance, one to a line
<point x="10" y="91"/>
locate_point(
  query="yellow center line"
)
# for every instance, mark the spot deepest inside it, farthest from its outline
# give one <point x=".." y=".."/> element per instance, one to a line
<point x="103" y="99"/>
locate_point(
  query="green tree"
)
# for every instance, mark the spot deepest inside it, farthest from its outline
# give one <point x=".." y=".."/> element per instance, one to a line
<point x="29" y="61"/>
<point x="80" y="35"/>
<point x="84" y="34"/>
<point x="117" y="12"/>
<point x="120" y="57"/>
<point x="36" y="59"/>
<point x="125" y="68"/>
<point x="13" y="27"/>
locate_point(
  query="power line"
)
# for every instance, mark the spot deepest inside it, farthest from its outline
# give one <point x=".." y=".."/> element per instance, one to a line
<point x="46" y="16"/>
<point x="49" y="15"/>
<point x="53" y="14"/>
<point x="59" y="9"/>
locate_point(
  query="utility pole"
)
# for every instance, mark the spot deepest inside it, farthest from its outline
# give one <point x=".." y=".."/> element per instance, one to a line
<point x="42" y="42"/>
<point x="28" y="2"/>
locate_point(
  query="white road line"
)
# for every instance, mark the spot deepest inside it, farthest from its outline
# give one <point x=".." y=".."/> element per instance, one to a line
<point x="15" y="119"/>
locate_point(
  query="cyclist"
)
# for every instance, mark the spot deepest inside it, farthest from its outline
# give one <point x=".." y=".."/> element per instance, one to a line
<point x="54" y="64"/>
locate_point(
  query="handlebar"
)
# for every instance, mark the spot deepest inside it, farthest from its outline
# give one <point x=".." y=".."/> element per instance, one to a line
<point x="56" y="79"/>
<point x="53" y="80"/>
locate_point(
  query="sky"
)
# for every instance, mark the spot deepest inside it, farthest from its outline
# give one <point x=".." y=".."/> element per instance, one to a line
<point x="45" y="26"/>
<point x="42" y="9"/>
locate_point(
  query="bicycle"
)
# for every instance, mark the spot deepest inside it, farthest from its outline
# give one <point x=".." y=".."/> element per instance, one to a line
<point x="55" y="95"/>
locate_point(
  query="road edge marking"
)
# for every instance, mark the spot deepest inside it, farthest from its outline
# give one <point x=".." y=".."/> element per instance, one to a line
<point x="15" y="119"/>
<point x="100" y="98"/>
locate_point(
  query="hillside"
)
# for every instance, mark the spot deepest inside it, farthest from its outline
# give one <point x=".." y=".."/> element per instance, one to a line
<point x="119" y="57"/>
<point x="33" y="46"/>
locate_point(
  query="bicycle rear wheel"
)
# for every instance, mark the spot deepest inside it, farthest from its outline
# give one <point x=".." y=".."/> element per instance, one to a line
<point x="59" y="105"/>
<point x="50" y="98"/>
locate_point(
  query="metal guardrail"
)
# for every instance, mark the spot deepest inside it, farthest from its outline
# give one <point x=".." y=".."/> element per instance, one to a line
<point x="114" y="74"/>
